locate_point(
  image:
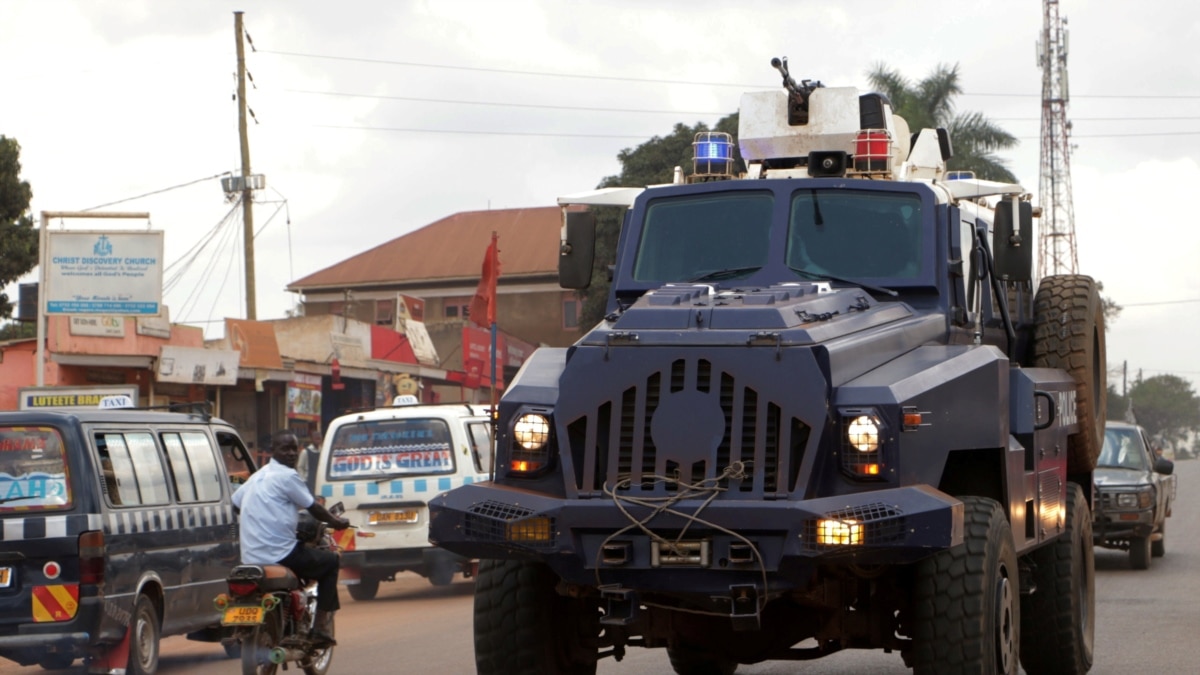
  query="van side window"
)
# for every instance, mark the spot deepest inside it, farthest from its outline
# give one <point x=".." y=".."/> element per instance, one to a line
<point x="137" y="471"/>
<point x="236" y="458"/>
<point x="480" y="434"/>
<point x="193" y="464"/>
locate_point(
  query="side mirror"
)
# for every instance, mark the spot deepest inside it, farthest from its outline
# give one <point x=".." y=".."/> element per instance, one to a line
<point x="578" y="250"/>
<point x="1012" y="241"/>
<point x="1164" y="466"/>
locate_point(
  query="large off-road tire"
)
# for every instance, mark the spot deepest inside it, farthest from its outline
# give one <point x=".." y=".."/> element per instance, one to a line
<point x="1069" y="335"/>
<point x="687" y="659"/>
<point x="524" y="627"/>
<point x="1058" y="620"/>
<point x="966" y="600"/>
<point x="145" y="633"/>
<point x="1158" y="547"/>
<point x="365" y="589"/>
<point x="1139" y="553"/>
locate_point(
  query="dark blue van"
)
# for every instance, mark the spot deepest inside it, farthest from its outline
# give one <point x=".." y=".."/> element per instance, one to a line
<point x="116" y="529"/>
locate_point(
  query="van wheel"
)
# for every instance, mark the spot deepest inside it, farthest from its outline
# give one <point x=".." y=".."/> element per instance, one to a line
<point x="1139" y="553"/>
<point x="441" y="572"/>
<point x="143" y="638"/>
<point x="365" y="589"/>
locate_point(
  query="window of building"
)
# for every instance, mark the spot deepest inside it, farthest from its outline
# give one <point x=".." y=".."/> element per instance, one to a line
<point x="451" y="311"/>
<point x="385" y="313"/>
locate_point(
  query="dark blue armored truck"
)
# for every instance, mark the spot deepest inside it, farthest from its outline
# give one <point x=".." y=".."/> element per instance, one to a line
<point x="830" y="408"/>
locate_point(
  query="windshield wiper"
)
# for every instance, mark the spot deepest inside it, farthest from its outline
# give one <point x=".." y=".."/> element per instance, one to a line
<point x="17" y="499"/>
<point x="727" y="273"/>
<point x="818" y="276"/>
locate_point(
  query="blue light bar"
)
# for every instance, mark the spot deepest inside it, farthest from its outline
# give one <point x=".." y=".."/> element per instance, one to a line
<point x="713" y="153"/>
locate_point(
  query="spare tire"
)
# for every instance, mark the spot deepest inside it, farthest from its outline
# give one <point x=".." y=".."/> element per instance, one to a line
<point x="1069" y="335"/>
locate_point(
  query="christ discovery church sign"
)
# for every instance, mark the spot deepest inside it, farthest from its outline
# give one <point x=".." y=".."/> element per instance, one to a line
<point x="114" y="272"/>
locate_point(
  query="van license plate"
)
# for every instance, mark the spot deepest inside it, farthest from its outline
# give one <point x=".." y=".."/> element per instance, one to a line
<point x="5" y="577"/>
<point x="389" y="517"/>
<point x="242" y="616"/>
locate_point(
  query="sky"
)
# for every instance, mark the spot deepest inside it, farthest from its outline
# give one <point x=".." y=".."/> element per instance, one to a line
<point x="376" y="117"/>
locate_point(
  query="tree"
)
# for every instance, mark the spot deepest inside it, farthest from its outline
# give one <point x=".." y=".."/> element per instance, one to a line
<point x="929" y="104"/>
<point x="18" y="239"/>
<point x="15" y="330"/>
<point x="1165" y="406"/>
<point x="652" y="162"/>
<point x="1117" y="405"/>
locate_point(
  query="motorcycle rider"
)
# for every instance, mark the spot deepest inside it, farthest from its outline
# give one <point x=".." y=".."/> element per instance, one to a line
<point x="269" y="504"/>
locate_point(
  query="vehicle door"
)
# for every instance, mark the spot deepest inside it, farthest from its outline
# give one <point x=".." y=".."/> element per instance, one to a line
<point x="1160" y="482"/>
<point x="479" y="436"/>
<point x="204" y="526"/>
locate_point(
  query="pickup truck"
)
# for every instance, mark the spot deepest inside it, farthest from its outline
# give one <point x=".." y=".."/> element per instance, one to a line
<point x="1134" y="494"/>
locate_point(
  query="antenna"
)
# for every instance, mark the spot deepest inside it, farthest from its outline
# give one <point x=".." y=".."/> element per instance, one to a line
<point x="1056" y="251"/>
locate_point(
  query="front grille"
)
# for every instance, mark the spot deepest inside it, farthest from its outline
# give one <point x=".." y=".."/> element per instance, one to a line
<point x="686" y="422"/>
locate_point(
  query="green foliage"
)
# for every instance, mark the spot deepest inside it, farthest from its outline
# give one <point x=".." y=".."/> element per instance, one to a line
<point x="651" y="163"/>
<point x="1165" y="406"/>
<point x="1117" y="405"/>
<point x="929" y="104"/>
<point x="14" y="330"/>
<point x="18" y="238"/>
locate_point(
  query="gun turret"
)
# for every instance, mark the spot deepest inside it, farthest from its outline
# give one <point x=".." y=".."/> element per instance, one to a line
<point x="797" y="93"/>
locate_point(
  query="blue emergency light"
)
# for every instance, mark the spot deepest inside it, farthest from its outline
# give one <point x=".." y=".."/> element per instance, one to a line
<point x="713" y="153"/>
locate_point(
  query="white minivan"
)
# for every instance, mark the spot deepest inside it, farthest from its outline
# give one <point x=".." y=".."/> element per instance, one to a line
<point x="385" y="465"/>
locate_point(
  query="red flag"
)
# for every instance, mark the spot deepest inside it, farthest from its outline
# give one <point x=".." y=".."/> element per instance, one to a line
<point x="483" y="305"/>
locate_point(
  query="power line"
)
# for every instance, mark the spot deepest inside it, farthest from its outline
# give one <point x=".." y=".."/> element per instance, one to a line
<point x="510" y="105"/>
<point x="148" y="194"/>
<point x="614" y="78"/>
<point x="1164" y="302"/>
<point x="482" y="133"/>
<point x="509" y="71"/>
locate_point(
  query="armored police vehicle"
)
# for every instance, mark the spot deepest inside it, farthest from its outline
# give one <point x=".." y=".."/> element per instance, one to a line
<point x="829" y="408"/>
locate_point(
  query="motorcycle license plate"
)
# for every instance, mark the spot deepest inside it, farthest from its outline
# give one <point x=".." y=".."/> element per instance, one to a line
<point x="242" y="616"/>
<point x="5" y="577"/>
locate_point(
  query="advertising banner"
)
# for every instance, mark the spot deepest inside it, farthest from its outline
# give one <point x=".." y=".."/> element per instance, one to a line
<point x="196" y="365"/>
<point x="98" y="326"/>
<point x="304" y="397"/>
<point x="36" y="398"/>
<point x="391" y="448"/>
<point x="104" y="272"/>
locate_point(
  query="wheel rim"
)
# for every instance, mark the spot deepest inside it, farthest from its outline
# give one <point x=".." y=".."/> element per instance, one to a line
<point x="144" y="638"/>
<point x="1006" y="630"/>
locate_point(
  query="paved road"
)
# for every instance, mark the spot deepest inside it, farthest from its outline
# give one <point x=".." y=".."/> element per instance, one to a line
<point x="1146" y="622"/>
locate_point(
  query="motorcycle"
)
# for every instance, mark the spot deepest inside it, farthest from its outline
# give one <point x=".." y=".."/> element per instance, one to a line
<point x="271" y="611"/>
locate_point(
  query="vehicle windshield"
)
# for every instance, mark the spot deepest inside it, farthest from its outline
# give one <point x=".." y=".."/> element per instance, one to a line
<point x="1122" y="449"/>
<point x="386" y="448"/>
<point x="34" y="474"/>
<point x="855" y="233"/>
<point x="709" y="237"/>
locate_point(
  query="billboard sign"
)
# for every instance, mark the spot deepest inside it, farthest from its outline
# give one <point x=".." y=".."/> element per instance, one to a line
<point x="38" y="398"/>
<point x="104" y="272"/>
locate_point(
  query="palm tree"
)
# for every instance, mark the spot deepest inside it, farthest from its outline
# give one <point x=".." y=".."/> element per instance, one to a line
<point x="930" y="104"/>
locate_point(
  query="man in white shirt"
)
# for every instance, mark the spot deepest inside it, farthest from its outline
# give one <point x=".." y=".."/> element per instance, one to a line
<point x="269" y="504"/>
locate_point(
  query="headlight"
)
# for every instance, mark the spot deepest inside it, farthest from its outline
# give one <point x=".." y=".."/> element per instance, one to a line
<point x="863" y="434"/>
<point x="531" y="449"/>
<point x="1127" y="500"/>
<point x="531" y="431"/>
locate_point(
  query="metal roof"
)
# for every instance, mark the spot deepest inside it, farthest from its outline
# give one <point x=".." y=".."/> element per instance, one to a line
<point x="452" y="249"/>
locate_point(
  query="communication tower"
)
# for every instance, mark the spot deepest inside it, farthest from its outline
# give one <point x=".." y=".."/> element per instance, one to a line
<point x="1057" y="253"/>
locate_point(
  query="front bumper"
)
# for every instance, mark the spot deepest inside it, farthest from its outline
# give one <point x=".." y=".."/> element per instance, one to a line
<point x="593" y="541"/>
<point x="1113" y="525"/>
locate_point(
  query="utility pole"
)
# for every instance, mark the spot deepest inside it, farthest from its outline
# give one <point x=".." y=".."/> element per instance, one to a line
<point x="1056" y="251"/>
<point x="247" y="190"/>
